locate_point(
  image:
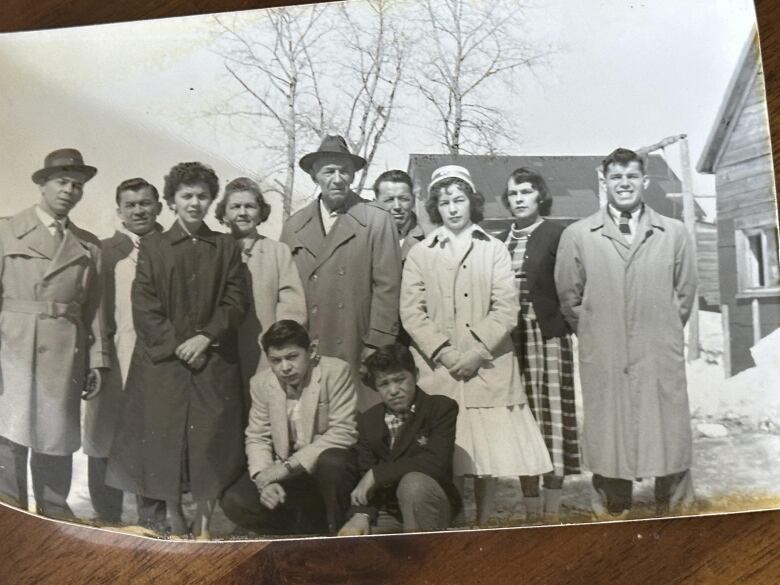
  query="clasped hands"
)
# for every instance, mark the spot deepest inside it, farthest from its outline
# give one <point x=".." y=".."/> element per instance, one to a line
<point x="461" y="366"/>
<point x="193" y="351"/>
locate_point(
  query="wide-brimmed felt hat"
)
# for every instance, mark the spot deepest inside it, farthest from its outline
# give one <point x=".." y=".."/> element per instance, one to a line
<point x="451" y="172"/>
<point x="63" y="159"/>
<point x="331" y="145"/>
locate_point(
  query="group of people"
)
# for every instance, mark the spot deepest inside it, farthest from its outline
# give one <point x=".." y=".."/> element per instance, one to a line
<point x="349" y="378"/>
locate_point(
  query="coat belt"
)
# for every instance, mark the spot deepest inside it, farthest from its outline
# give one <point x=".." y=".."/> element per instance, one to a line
<point x="70" y="311"/>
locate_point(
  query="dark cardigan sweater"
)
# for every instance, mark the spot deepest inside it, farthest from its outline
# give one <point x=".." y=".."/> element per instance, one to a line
<point x="539" y="266"/>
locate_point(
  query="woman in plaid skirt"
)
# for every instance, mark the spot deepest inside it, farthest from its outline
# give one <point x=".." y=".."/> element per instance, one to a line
<point x="542" y="338"/>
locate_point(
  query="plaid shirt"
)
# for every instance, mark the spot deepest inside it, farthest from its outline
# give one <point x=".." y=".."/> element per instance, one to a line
<point x="395" y="422"/>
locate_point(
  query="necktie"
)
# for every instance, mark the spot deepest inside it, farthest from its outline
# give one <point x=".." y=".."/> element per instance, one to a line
<point x="625" y="229"/>
<point x="395" y="423"/>
<point x="59" y="231"/>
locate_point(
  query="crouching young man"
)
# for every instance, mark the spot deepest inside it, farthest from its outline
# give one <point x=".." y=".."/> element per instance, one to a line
<point x="404" y="453"/>
<point x="301" y="425"/>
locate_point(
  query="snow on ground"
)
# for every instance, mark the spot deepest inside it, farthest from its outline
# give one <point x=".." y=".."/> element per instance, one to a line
<point x="736" y="472"/>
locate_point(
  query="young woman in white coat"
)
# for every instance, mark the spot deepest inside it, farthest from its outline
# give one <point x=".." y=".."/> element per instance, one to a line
<point x="459" y="305"/>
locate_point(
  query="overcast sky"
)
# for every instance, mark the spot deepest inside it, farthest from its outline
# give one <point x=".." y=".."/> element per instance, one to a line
<point x="626" y="73"/>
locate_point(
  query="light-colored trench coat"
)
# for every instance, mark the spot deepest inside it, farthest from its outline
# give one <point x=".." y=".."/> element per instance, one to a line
<point x="628" y="305"/>
<point x="51" y="331"/>
<point x="469" y="303"/>
<point x="351" y="278"/>
<point x="101" y="414"/>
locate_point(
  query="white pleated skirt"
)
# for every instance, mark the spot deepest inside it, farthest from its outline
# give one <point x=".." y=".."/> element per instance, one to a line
<point x="499" y="441"/>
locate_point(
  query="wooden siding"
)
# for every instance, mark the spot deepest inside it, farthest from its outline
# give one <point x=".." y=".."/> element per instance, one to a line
<point x="707" y="263"/>
<point x="746" y="191"/>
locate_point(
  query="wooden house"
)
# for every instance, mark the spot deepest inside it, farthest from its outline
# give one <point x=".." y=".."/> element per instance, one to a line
<point x="738" y="152"/>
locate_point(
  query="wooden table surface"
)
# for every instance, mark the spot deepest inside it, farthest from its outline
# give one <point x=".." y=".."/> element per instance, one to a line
<point x="741" y="548"/>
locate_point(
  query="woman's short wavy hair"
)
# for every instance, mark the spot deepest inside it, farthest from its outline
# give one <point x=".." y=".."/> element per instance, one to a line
<point x="190" y="173"/>
<point x="476" y="200"/>
<point x="236" y="186"/>
<point x="525" y="175"/>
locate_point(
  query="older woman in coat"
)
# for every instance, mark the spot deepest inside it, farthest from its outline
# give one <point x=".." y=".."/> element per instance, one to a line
<point x="459" y="304"/>
<point x="277" y="292"/>
<point x="181" y="428"/>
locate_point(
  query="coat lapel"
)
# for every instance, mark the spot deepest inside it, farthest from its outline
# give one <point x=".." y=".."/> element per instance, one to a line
<point x="34" y="235"/>
<point x="309" y="399"/>
<point x="277" y="407"/>
<point x="310" y="233"/>
<point x="645" y="228"/>
<point x="610" y="230"/>
<point x="342" y="231"/>
<point x="70" y="251"/>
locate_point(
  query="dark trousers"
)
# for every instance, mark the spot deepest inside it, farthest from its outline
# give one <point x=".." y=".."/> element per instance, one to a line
<point x="151" y="513"/>
<point x="613" y="495"/>
<point x="314" y="504"/>
<point x="106" y="500"/>
<point x="51" y="477"/>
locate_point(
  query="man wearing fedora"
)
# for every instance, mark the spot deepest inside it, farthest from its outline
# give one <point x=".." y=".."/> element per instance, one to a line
<point x="347" y="253"/>
<point x="52" y="341"/>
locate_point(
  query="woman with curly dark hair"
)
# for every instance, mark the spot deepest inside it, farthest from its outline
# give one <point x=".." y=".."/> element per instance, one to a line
<point x="542" y="337"/>
<point x="277" y="291"/>
<point x="459" y="306"/>
<point x="181" y="428"/>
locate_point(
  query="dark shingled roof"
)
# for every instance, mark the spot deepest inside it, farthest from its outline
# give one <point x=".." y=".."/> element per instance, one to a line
<point x="572" y="181"/>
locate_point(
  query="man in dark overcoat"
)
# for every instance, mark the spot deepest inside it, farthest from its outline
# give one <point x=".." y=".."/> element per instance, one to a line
<point x="52" y="336"/>
<point x="348" y="257"/>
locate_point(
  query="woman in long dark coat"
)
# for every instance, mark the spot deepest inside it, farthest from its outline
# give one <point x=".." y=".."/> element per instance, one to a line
<point x="542" y="338"/>
<point x="181" y="428"/>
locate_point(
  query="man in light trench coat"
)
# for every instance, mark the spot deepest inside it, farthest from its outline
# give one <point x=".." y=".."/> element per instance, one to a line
<point x="137" y="207"/>
<point x="626" y="279"/>
<point x="52" y="344"/>
<point x="347" y="253"/>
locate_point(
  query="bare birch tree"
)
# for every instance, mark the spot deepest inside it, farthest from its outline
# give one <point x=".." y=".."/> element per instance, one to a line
<point x="277" y="102"/>
<point x="476" y="48"/>
<point x="373" y="66"/>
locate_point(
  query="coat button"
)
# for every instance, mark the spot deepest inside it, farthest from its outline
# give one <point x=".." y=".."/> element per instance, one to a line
<point x="465" y="294"/>
<point x="314" y="277"/>
<point x="625" y="370"/>
<point x="314" y="310"/>
<point x="341" y="271"/>
<point x="338" y="341"/>
<point x="43" y="316"/>
<point x="43" y="349"/>
<point x="341" y="305"/>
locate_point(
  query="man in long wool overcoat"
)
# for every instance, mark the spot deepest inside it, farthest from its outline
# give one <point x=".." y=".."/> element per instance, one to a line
<point x="626" y="279"/>
<point x="52" y="342"/>
<point x="347" y="253"/>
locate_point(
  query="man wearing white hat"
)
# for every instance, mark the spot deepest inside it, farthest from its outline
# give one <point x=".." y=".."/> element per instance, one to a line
<point x="52" y="342"/>
<point x="347" y="253"/>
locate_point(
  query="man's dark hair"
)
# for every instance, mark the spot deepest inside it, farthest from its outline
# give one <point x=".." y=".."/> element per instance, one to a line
<point x="622" y="157"/>
<point x="525" y="175"/>
<point x="388" y="358"/>
<point x="190" y="173"/>
<point x="136" y="185"/>
<point x="285" y="332"/>
<point x="393" y="176"/>
<point x="476" y="200"/>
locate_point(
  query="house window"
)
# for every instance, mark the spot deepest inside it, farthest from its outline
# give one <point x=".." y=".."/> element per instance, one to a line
<point x="757" y="260"/>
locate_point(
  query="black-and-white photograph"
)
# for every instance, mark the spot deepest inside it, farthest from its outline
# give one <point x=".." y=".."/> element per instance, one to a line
<point x="389" y="266"/>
